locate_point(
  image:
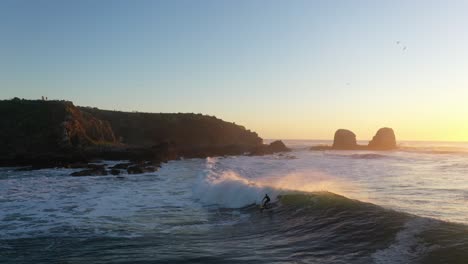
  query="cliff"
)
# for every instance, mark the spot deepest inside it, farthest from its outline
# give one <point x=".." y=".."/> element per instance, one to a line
<point x="182" y="130"/>
<point x="29" y="126"/>
<point x="57" y="133"/>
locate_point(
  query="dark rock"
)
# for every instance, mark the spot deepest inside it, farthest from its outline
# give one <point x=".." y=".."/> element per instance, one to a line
<point x="114" y="171"/>
<point x="384" y="139"/>
<point x="141" y="168"/>
<point x="165" y="151"/>
<point x="278" y="146"/>
<point x="135" y="169"/>
<point x="121" y="166"/>
<point x="344" y="139"/>
<point x="320" y="147"/>
<point x="273" y="147"/>
<point x="77" y="165"/>
<point x="148" y="163"/>
<point x="96" y="166"/>
<point x="260" y="150"/>
<point x="150" y="169"/>
<point x="90" y="172"/>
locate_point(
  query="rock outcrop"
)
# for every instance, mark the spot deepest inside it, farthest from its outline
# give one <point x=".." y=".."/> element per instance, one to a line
<point x="384" y="139"/>
<point x="93" y="170"/>
<point x="278" y="146"/>
<point x="344" y="139"/>
<point x="43" y="134"/>
<point x="273" y="147"/>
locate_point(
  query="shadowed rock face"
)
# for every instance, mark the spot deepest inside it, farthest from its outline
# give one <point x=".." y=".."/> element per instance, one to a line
<point x="344" y="139"/>
<point x="44" y="134"/>
<point x="383" y="140"/>
<point x="273" y="147"/>
<point x="278" y="146"/>
<point x="33" y="126"/>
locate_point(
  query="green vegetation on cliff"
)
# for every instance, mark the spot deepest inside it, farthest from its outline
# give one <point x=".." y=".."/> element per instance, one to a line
<point x="36" y="126"/>
<point x="183" y="129"/>
<point x="32" y="127"/>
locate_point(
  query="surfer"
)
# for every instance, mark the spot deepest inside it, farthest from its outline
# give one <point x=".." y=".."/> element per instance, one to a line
<point x="265" y="201"/>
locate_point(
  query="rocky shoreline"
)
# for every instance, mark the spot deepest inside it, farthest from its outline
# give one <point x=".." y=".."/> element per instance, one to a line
<point x="37" y="134"/>
<point x="137" y="160"/>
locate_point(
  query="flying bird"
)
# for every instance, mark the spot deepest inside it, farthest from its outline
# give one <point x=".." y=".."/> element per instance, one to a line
<point x="398" y="43"/>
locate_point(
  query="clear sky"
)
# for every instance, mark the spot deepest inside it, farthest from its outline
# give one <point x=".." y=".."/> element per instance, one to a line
<point x="286" y="69"/>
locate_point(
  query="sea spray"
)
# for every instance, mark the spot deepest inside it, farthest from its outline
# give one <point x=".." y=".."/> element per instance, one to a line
<point x="228" y="188"/>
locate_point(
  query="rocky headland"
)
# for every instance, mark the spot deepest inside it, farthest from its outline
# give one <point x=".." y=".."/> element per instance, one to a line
<point x="345" y="139"/>
<point x="43" y="134"/>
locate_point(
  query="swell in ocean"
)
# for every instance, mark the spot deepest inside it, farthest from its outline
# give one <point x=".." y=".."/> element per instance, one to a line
<point x="329" y="228"/>
<point x="207" y="211"/>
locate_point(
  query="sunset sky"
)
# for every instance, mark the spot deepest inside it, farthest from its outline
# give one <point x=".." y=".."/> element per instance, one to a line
<point x="285" y="69"/>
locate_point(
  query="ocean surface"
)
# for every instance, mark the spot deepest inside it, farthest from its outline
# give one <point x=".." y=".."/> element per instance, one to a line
<point x="405" y="206"/>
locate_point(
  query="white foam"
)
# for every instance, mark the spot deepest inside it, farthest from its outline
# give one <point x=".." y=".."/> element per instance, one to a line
<point x="50" y="199"/>
<point x="50" y="202"/>
<point x="407" y="247"/>
<point x="221" y="185"/>
<point x="230" y="190"/>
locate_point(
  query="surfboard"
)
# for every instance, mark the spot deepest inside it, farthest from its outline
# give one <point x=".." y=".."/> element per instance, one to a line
<point x="265" y="208"/>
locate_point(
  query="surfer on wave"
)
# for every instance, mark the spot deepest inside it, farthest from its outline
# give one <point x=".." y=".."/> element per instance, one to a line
<point x="265" y="201"/>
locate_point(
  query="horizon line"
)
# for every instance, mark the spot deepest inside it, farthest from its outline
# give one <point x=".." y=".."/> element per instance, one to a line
<point x="404" y="140"/>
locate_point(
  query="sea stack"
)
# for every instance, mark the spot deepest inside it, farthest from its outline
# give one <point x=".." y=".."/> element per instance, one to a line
<point x="344" y="139"/>
<point x="384" y="139"/>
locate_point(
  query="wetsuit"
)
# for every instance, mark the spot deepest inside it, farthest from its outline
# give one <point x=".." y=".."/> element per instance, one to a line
<point x="267" y="200"/>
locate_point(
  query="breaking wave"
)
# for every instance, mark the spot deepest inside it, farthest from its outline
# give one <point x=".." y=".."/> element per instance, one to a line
<point x="314" y="223"/>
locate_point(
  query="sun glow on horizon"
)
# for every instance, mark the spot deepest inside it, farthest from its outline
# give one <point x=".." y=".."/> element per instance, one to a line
<point x="284" y="70"/>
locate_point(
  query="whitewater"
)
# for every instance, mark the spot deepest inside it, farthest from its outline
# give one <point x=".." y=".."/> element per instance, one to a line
<point x="405" y="206"/>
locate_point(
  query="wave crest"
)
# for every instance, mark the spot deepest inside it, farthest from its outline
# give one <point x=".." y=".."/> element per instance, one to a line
<point x="228" y="188"/>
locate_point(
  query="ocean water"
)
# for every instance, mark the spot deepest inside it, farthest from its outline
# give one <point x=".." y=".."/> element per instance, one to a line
<point x="406" y="206"/>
